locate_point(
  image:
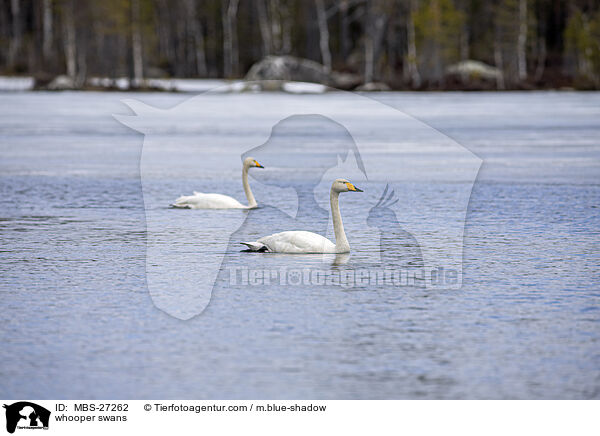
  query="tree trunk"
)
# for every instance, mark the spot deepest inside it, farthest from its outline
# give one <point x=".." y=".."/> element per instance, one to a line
<point x="464" y="7"/>
<point x="275" y="26"/>
<point x="180" y="46"/>
<point x="345" y="29"/>
<point x="411" y="58"/>
<point x="369" y="49"/>
<point x="136" y="44"/>
<point x="286" y="28"/>
<point x="464" y="43"/>
<point x="70" y="41"/>
<point x="195" y="28"/>
<point x="498" y="59"/>
<point x="265" y="29"/>
<point x="200" y="51"/>
<point x="15" y="41"/>
<point x="372" y="39"/>
<point x="522" y="41"/>
<point x="374" y="27"/>
<point x="436" y="53"/>
<point x="164" y="33"/>
<point x="323" y="35"/>
<point x="47" y="26"/>
<point x="81" y="65"/>
<point x="541" y="62"/>
<point x="230" y="53"/>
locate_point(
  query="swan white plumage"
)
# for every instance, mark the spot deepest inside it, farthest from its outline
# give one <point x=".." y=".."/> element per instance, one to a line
<point x="201" y="200"/>
<point x="309" y="242"/>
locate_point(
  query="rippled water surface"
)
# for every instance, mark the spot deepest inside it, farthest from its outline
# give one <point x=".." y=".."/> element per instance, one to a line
<point x="78" y="320"/>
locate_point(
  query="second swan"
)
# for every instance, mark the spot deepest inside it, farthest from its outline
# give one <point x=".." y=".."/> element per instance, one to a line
<point x="201" y="200"/>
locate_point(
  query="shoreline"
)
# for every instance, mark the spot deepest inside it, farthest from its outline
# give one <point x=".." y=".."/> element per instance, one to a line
<point x="193" y="85"/>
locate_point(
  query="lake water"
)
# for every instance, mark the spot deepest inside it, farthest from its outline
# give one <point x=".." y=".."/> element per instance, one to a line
<point x="77" y="215"/>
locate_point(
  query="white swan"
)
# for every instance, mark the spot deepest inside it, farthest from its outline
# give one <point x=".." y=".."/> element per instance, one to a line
<point x="309" y="242"/>
<point x="202" y="200"/>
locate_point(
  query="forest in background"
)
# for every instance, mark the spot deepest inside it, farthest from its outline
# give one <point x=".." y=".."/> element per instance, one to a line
<point x="406" y="44"/>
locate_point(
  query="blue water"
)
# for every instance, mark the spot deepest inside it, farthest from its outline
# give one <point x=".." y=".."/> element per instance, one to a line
<point x="78" y="321"/>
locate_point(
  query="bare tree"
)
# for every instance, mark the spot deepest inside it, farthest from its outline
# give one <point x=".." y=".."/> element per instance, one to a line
<point x="344" y="28"/>
<point x="82" y="67"/>
<point x="541" y="59"/>
<point x="375" y="20"/>
<point x="498" y="58"/>
<point x="286" y="27"/>
<point x="230" y="51"/>
<point x="411" y="52"/>
<point x="522" y="41"/>
<point x="265" y="28"/>
<point x="15" y="41"/>
<point x="47" y="26"/>
<point x="464" y="35"/>
<point x="195" y="28"/>
<point x="69" y="40"/>
<point x="281" y="25"/>
<point x="323" y="34"/>
<point x="275" y="25"/>
<point x="136" y="44"/>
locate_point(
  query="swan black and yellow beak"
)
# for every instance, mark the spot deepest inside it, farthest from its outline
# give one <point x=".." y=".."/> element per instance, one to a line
<point x="257" y="164"/>
<point x="351" y="187"/>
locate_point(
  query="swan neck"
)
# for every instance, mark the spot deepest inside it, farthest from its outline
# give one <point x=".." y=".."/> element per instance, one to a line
<point x="341" y="243"/>
<point x="247" y="190"/>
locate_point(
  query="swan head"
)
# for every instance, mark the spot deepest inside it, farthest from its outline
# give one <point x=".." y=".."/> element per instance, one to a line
<point x="343" y="185"/>
<point x="250" y="162"/>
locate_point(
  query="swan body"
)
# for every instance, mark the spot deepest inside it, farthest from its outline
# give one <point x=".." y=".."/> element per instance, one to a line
<point x="309" y="242"/>
<point x="293" y="242"/>
<point x="201" y="200"/>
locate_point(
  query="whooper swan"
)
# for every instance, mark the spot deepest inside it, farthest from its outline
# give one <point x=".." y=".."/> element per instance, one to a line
<point x="309" y="242"/>
<point x="201" y="200"/>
